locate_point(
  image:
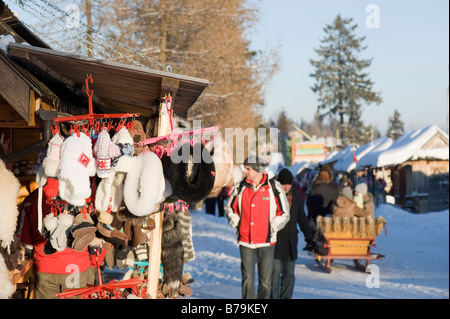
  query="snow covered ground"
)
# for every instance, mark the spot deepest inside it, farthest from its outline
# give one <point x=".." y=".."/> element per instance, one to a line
<point x="416" y="265"/>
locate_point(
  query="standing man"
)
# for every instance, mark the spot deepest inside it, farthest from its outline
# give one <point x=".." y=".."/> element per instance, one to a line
<point x="287" y="240"/>
<point x="258" y="209"/>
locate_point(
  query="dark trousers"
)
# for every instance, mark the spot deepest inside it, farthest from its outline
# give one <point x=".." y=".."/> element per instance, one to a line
<point x="262" y="258"/>
<point x="46" y="285"/>
<point x="283" y="279"/>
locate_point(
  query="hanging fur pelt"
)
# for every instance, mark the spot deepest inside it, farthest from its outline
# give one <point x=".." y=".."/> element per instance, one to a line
<point x="172" y="252"/>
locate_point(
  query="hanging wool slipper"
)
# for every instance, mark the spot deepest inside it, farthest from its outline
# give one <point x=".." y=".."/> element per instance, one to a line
<point x="51" y="161"/>
<point x="139" y="236"/>
<point x="144" y="185"/>
<point x="187" y="279"/>
<point x="82" y="229"/>
<point x="81" y="242"/>
<point x="76" y="166"/>
<point x="192" y="172"/>
<point x="185" y="291"/>
<point x="58" y="238"/>
<point x="105" y="150"/>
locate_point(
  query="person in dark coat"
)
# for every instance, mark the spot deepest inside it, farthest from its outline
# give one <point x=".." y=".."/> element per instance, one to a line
<point x="285" y="254"/>
<point x="322" y="196"/>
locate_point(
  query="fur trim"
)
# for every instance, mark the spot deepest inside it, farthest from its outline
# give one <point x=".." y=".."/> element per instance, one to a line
<point x="50" y="222"/>
<point x="9" y="190"/>
<point x="144" y="185"/>
<point x="223" y="162"/>
<point x="6" y="287"/>
<point x="123" y="215"/>
<point x="105" y="218"/>
<point x="192" y="179"/>
<point x="65" y="220"/>
<point x="172" y="252"/>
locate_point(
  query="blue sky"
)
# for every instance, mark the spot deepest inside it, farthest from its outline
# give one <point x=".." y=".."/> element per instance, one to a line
<point x="409" y="50"/>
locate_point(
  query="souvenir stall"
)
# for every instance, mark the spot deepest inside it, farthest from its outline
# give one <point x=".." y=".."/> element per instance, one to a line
<point x="118" y="183"/>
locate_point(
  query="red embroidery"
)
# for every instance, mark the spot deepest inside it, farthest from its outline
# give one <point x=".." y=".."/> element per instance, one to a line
<point x="84" y="160"/>
<point x="104" y="164"/>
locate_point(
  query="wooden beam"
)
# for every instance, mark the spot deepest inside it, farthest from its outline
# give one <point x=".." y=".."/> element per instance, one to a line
<point x="14" y="90"/>
<point x="154" y="252"/>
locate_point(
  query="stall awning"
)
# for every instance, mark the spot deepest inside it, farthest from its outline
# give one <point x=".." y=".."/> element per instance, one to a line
<point x="117" y="87"/>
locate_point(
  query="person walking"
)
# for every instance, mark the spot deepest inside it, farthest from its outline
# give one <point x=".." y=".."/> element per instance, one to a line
<point x="258" y="209"/>
<point x="283" y="278"/>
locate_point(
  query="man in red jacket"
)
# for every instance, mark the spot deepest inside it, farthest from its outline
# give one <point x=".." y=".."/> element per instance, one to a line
<point x="258" y="208"/>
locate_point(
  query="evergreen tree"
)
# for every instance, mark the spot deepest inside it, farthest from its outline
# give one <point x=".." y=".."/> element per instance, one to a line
<point x="395" y="126"/>
<point x="342" y="84"/>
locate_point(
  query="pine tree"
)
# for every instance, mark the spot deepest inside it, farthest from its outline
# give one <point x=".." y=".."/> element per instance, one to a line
<point x="395" y="126"/>
<point x="342" y="84"/>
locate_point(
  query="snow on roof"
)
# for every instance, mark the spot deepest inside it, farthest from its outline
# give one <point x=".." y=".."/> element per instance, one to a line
<point x="298" y="167"/>
<point x="406" y="147"/>
<point x="347" y="163"/>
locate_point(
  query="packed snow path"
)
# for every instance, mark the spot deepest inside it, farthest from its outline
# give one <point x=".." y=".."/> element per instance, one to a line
<point x="416" y="265"/>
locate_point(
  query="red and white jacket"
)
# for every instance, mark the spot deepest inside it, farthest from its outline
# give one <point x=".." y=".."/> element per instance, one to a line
<point x="258" y="212"/>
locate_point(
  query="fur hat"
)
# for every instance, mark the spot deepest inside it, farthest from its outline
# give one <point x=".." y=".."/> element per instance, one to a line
<point x="223" y="163"/>
<point x="256" y="163"/>
<point x="76" y="166"/>
<point x="285" y="177"/>
<point x="191" y="172"/>
<point x="144" y="184"/>
<point x="347" y="192"/>
<point x="361" y="188"/>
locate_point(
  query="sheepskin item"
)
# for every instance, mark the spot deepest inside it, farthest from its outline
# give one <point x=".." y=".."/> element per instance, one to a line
<point x="223" y="163"/>
<point x="9" y="189"/>
<point x="192" y="172"/>
<point x="51" y="162"/>
<point x="144" y="185"/>
<point x="105" y="150"/>
<point x="172" y="252"/>
<point x="77" y="165"/>
<point x="138" y="135"/>
<point x="6" y="287"/>
<point x="58" y="238"/>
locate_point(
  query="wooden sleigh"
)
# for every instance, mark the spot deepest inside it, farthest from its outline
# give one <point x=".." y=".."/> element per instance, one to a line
<point x="347" y="238"/>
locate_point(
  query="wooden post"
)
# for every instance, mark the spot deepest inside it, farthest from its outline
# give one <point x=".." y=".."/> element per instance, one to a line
<point x="154" y="249"/>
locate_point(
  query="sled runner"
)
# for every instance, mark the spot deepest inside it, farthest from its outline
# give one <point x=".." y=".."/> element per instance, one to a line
<point x="347" y="238"/>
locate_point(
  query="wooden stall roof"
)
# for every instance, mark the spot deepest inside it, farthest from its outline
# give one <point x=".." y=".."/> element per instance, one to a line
<point x="117" y="87"/>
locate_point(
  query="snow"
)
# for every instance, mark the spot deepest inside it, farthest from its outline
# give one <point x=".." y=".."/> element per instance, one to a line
<point x="416" y="265"/>
<point x="409" y="146"/>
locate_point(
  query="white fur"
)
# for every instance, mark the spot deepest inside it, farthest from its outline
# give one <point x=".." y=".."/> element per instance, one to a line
<point x="223" y="163"/>
<point x="144" y="184"/>
<point x="9" y="190"/>
<point x="6" y="287"/>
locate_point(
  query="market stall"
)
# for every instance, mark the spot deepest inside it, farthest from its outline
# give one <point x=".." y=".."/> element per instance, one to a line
<point x="105" y="132"/>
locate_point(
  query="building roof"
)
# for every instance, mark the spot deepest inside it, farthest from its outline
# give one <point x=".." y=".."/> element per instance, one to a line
<point x="430" y="143"/>
<point x="117" y="87"/>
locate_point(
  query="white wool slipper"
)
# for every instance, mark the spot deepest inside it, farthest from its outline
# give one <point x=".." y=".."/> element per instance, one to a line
<point x="50" y="222"/>
<point x="144" y="184"/>
<point x="58" y="238"/>
<point x="51" y="162"/>
<point x="76" y="166"/>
